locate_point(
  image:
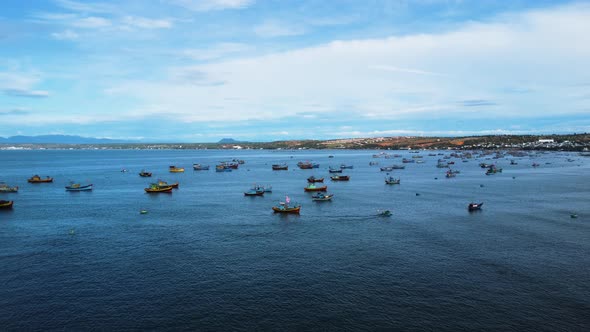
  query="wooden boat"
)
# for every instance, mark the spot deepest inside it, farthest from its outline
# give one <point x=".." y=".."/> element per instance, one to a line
<point x="398" y="166"/>
<point x="4" y="188"/>
<point x="145" y="174"/>
<point x="305" y="165"/>
<point x="450" y="175"/>
<point x="386" y="169"/>
<point x="166" y="184"/>
<point x="174" y="169"/>
<point x="340" y="178"/>
<point x="392" y="180"/>
<point x="320" y="197"/>
<point x="78" y="187"/>
<point x="313" y="179"/>
<point x="254" y="192"/>
<point x="6" y="204"/>
<point x="474" y="206"/>
<point x="284" y="208"/>
<point x="155" y="188"/>
<point x="334" y="170"/>
<point x="38" y="179"/>
<point x="280" y="167"/>
<point x="343" y="166"/>
<point x="229" y="164"/>
<point x="313" y="187"/>
<point x="536" y="165"/>
<point x="222" y="168"/>
<point x="199" y="167"/>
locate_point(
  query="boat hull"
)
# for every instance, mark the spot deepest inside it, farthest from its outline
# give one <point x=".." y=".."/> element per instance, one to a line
<point x="294" y="210"/>
<point x="81" y="188"/>
<point x="6" y="204"/>
<point x="167" y="189"/>
<point x="324" y="188"/>
<point x="340" y="178"/>
<point x="46" y="180"/>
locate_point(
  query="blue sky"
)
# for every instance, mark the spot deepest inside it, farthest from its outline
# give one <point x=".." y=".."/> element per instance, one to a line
<point x="200" y="70"/>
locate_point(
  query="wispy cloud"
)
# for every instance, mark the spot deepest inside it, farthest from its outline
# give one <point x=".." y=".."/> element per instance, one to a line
<point x="271" y="29"/>
<point x="65" y="35"/>
<point x="477" y="102"/>
<point x="404" y="70"/>
<point x="26" y="93"/>
<point x="209" y="5"/>
<point x="147" y="23"/>
<point x="216" y="51"/>
<point x="86" y="7"/>
<point x="14" y="112"/>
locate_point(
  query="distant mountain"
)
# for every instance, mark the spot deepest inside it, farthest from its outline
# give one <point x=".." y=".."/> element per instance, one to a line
<point x="229" y="141"/>
<point x="59" y="139"/>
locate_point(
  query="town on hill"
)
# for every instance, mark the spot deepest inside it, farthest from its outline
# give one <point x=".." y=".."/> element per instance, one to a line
<point x="570" y="142"/>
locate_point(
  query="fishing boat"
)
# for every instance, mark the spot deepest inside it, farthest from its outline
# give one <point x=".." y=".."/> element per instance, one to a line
<point x="513" y="162"/>
<point x="536" y="165"/>
<point x="340" y="178"/>
<point x="373" y="163"/>
<point x="313" y="179"/>
<point x="384" y="213"/>
<point x="334" y="170"/>
<point x="398" y="167"/>
<point x="4" y="188"/>
<point x="305" y="165"/>
<point x="280" y="167"/>
<point x="321" y="197"/>
<point x="450" y="175"/>
<point x="493" y="170"/>
<point x="474" y="206"/>
<point x="285" y="207"/>
<point x="78" y="187"/>
<point x="38" y="179"/>
<point x="386" y="169"/>
<point x="174" y="169"/>
<point x="166" y="184"/>
<point x="145" y="174"/>
<point x="6" y="204"/>
<point x="154" y="188"/>
<point x="254" y="192"/>
<point x="392" y="180"/>
<point x="222" y="168"/>
<point x="344" y="166"/>
<point x="199" y="167"/>
<point x="231" y="164"/>
<point x="313" y="187"/>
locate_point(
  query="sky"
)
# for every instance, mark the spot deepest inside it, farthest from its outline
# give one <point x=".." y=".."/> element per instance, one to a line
<point x="263" y="70"/>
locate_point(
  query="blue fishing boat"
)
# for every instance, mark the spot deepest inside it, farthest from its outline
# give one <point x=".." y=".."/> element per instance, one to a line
<point x="78" y="187"/>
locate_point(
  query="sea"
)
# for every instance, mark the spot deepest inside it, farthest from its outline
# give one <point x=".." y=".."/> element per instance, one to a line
<point x="207" y="258"/>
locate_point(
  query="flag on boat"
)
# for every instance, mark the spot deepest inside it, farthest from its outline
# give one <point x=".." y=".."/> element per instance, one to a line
<point x="287" y="200"/>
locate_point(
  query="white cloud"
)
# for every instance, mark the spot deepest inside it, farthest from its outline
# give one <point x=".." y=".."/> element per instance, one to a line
<point x="91" y="22"/>
<point x="271" y="29"/>
<point x="403" y="70"/>
<point x="209" y="5"/>
<point x="65" y="35"/>
<point x="214" y="52"/>
<point x="86" y="7"/>
<point x="147" y="23"/>
<point x="541" y="48"/>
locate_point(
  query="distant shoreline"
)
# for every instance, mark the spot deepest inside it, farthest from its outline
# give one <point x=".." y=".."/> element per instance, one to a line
<point x="574" y="142"/>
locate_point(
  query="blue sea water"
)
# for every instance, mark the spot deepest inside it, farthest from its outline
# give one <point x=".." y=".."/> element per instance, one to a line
<point x="207" y="258"/>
